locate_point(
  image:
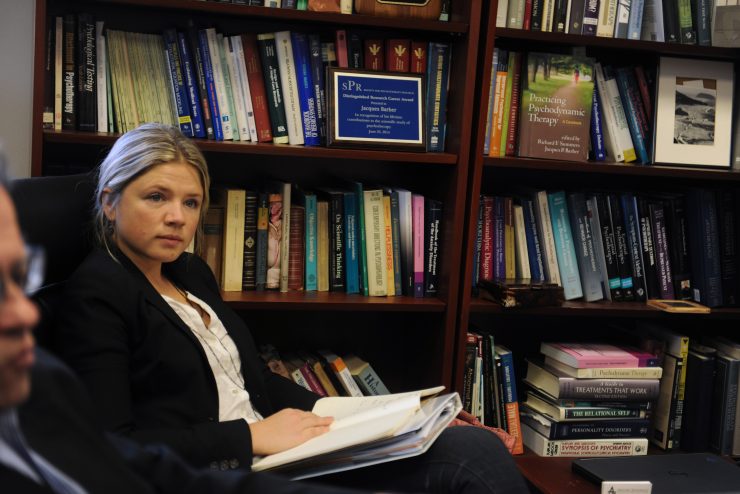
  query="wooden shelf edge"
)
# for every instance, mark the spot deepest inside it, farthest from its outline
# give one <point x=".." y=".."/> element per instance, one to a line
<point x="659" y="170"/>
<point x="600" y="309"/>
<point x="105" y="139"/>
<point x="677" y="49"/>
<point x="276" y="14"/>
<point x="315" y="301"/>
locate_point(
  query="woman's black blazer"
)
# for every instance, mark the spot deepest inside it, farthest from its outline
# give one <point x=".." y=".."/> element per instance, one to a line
<point x="146" y="371"/>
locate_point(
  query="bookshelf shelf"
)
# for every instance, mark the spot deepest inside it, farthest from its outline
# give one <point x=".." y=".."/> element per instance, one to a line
<point x="599" y="309"/>
<point x="229" y="147"/>
<point x="512" y="164"/>
<point x="317" y="301"/>
<point x="648" y="47"/>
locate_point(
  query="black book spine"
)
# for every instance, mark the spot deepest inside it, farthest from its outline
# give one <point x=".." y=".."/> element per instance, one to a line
<point x="270" y="71"/>
<point x="697" y="418"/>
<point x="610" y="248"/>
<point x="355" y="51"/>
<point x="87" y="114"/>
<point x="575" y="24"/>
<point x="670" y="21"/>
<point x="727" y="209"/>
<point x="648" y="248"/>
<point x="249" y="272"/>
<point x="624" y="261"/>
<point x="69" y="75"/>
<point x="678" y="240"/>
<point x="48" y="110"/>
<point x="336" y="242"/>
<point x="432" y="219"/>
<point x="560" y="16"/>
<point x="535" y="23"/>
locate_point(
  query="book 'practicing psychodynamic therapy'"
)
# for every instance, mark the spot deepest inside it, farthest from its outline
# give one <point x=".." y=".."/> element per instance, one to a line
<point x="555" y="113"/>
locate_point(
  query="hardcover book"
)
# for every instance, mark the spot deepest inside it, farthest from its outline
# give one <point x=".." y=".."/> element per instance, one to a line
<point x="588" y="355"/>
<point x="555" y="115"/>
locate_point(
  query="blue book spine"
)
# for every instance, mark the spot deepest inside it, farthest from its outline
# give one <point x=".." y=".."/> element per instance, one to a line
<point x="478" y="244"/>
<point x="564" y="248"/>
<point x="507" y="366"/>
<point x="628" y="95"/>
<point x="396" y="241"/>
<point x="590" y="18"/>
<point x="191" y="86"/>
<point x="634" y="245"/>
<point x="210" y="84"/>
<point x="311" y="227"/>
<point x="319" y="88"/>
<point x="499" y="245"/>
<point x="351" y="247"/>
<point x="177" y="82"/>
<point x="634" y="25"/>
<point x="438" y="78"/>
<point x="489" y="115"/>
<point x="702" y="22"/>
<point x="306" y="94"/>
<point x="597" y="128"/>
<point x="534" y="247"/>
<point x="705" y="250"/>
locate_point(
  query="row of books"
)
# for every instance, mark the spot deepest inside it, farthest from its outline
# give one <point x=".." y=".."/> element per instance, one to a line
<point x="538" y="101"/>
<point x="326" y="373"/>
<point x="584" y="399"/>
<point x="489" y="385"/>
<point x="373" y="241"/>
<point x="267" y="87"/>
<point x="617" y="246"/>
<point x="672" y="21"/>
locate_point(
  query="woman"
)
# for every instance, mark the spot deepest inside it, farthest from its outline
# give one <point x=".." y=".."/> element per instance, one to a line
<point x="163" y="356"/>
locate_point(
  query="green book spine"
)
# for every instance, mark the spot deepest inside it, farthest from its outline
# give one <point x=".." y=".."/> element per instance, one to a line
<point x="270" y="71"/>
<point x="686" y="23"/>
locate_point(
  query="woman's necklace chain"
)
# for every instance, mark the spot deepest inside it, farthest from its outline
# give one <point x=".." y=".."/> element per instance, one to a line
<point x="239" y="382"/>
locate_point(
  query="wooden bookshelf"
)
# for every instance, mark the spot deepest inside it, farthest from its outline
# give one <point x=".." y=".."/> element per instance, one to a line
<point x="523" y="329"/>
<point x="337" y="320"/>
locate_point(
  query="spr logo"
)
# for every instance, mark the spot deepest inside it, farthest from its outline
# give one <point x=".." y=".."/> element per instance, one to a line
<point x="351" y="86"/>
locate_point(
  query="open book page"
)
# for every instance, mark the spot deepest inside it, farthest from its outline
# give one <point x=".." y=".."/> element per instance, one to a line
<point x="357" y="420"/>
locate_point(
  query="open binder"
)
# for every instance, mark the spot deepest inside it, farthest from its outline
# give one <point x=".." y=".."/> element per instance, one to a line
<point x="366" y="431"/>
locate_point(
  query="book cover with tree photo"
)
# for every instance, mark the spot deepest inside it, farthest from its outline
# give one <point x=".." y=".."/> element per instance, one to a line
<point x="555" y="111"/>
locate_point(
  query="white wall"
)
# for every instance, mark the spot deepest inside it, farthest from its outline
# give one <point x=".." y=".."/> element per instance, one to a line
<point x="16" y="82"/>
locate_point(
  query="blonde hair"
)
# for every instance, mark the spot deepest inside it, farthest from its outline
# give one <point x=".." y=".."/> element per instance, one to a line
<point x="135" y="153"/>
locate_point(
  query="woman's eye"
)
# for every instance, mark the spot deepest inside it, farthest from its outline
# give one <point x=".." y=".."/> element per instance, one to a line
<point x="191" y="203"/>
<point x="155" y="197"/>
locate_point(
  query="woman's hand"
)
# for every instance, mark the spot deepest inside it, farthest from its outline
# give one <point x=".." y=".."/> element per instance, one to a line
<point x="285" y="429"/>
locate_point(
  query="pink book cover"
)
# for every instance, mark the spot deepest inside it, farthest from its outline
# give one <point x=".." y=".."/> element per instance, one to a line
<point x="597" y="355"/>
<point x="417" y="218"/>
<point x="341" y="48"/>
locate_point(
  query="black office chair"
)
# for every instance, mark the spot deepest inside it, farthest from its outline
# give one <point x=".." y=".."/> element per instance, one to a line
<point x="56" y="214"/>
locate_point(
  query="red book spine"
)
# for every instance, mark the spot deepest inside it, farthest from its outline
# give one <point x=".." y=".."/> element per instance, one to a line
<point x="397" y="55"/>
<point x="642" y="83"/>
<point x="527" y="15"/>
<point x="311" y="378"/>
<point x="486" y="251"/>
<point x="341" y="49"/>
<point x="296" y="252"/>
<point x="374" y="54"/>
<point x="257" y="88"/>
<point x="418" y="57"/>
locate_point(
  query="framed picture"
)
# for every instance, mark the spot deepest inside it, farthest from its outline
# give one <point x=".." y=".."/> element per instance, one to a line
<point x="693" y="124"/>
<point x="376" y="110"/>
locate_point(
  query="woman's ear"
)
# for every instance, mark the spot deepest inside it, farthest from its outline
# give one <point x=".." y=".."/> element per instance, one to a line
<point x="107" y="202"/>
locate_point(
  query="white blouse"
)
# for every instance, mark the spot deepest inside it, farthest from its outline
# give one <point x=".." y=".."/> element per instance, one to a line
<point x="223" y="358"/>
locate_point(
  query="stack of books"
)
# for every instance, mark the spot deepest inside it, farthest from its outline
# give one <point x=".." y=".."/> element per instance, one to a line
<point x="589" y="400"/>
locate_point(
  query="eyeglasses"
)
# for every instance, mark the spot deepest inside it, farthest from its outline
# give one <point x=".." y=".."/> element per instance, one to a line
<point x="28" y="273"/>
